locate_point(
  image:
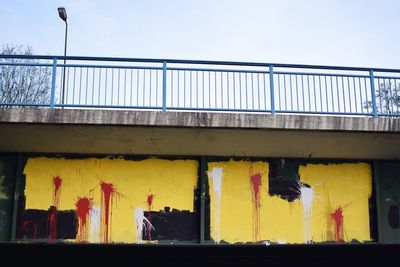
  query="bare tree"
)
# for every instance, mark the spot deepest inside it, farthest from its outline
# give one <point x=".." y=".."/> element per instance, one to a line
<point x="19" y="84"/>
<point x="387" y="98"/>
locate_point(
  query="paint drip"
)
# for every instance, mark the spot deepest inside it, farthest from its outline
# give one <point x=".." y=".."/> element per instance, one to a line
<point x="83" y="207"/>
<point x="306" y="198"/>
<point x="216" y="175"/>
<point x="337" y="217"/>
<point x="107" y="193"/>
<point x="149" y="200"/>
<point x="95" y="220"/>
<point x="52" y="224"/>
<point x="57" y="182"/>
<point x="142" y="223"/>
<point x="255" y="181"/>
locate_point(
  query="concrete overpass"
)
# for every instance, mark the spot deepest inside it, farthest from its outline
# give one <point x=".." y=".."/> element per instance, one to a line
<point x="198" y="133"/>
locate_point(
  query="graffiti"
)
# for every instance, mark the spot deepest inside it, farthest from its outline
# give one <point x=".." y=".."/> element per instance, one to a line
<point x="98" y="193"/>
<point x="40" y="225"/>
<point x="142" y="223"/>
<point x="216" y="177"/>
<point x="52" y="223"/>
<point x="108" y="192"/>
<point x="287" y="202"/>
<point x="172" y="224"/>
<point x="148" y="217"/>
<point x="237" y="202"/>
<point x="306" y="196"/>
<point x="57" y="181"/>
<point x="337" y="217"/>
<point x="255" y="180"/>
<point x="266" y="201"/>
<point x="83" y="207"/>
<point x="95" y="221"/>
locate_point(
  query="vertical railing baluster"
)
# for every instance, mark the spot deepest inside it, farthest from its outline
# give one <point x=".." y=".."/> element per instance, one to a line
<point x="391" y="94"/>
<point x="98" y="95"/>
<point x="53" y="83"/>
<point x="157" y="88"/>
<point x="284" y="91"/>
<point x="80" y="86"/>
<point x="372" y="80"/>
<point x="271" y="88"/>
<point x="164" y="94"/>
<point x="73" y="87"/>
<point x="333" y="102"/>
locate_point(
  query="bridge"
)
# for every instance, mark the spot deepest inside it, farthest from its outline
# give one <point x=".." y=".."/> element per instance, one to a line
<point x="251" y="158"/>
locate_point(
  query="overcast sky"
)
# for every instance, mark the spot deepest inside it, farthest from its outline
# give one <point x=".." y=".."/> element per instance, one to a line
<point x="327" y="32"/>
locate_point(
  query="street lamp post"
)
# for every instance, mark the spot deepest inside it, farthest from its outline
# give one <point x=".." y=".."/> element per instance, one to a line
<point x="63" y="15"/>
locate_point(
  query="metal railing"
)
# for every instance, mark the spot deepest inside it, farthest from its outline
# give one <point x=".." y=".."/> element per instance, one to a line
<point x="166" y="84"/>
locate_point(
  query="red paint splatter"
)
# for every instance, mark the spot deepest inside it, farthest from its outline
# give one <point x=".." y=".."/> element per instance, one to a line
<point x="255" y="181"/>
<point x="25" y="227"/>
<point x="107" y="193"/>
<point x="52" y="224"/>
<point x="337" y="218"/>
<point x="150" y="199"/>
<point x="57" y="181"/>
<point x="83" y="207"/>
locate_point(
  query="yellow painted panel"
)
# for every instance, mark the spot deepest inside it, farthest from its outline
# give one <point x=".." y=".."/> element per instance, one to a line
<point x="347" y="186"/>
<point x="232" y="204"/>
<point x="172" y="182"/>
<point x="235" y="221"/>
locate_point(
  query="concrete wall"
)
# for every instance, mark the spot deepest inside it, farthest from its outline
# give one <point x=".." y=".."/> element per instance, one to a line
<point x="189" y="133"/>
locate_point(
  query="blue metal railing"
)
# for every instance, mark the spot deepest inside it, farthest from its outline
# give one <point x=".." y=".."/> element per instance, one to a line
<point x="167" y="84"/>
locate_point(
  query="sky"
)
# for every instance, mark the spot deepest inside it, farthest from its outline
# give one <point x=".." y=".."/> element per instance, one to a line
<point x="361" y="33"/>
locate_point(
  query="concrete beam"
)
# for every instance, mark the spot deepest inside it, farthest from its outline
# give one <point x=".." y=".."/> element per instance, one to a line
<point x="194" y="134"/>
<point x="199" y="120"/>
<point x="109" y="140"/>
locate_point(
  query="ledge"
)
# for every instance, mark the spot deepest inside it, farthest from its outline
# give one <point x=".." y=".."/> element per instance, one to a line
<point x="199" y="120"/>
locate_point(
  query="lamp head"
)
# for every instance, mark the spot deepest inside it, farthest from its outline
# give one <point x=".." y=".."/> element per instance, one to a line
<point x="62" y="13"/>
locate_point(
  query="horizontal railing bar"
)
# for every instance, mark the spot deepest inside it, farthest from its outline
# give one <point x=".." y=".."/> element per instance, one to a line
<point x="25" y="64"/>
<point x="221" y="109"/>
<point x="219" y="70"/>
<point x="387" y="77"/>
<point x="108" y="67"/>
<point x="321" y="74"/>
<point x="324" y="112"/>
<point x="24" y="104"/>
<point x="389" y="114"/>
<point x="106" y="106"/>
<point x="201" y="62"/>
<point x="79" y="66"/>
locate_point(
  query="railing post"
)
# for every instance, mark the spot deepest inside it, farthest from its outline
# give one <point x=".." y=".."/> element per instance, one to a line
<point x="53" y="83"/>
<point x="271" y="88"/>
<point x="164" y="88"/>
<point x="372" y="79"/>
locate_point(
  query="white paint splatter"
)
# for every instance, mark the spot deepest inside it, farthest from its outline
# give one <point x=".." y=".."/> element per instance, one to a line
<point x="216" y="176"/>
<point x="306" y="199"/>
<point x="94" y="214"/>
<point x="141" y="224"/>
